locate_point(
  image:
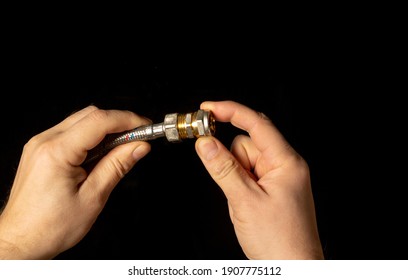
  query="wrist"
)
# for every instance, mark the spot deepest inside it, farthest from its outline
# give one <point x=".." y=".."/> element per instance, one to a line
<point x="8" y="251"/>
<point x="8" y="248"/>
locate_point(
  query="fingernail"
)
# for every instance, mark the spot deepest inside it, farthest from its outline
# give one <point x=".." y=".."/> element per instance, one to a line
<point x="207" y="148"/>
<point x="140" y="151"/>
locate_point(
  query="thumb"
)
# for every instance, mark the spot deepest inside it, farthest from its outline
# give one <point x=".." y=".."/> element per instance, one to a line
<point x="223" y="167"/>
<point x="113" y="167"/>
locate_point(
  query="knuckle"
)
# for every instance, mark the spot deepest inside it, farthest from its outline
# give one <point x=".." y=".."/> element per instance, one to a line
<point x="92" y="107"/>
<point x="299" y="168"/>
<point x="118" y="168"/>
<point x="225" y="168"/>
<point x="299" y="162"/>
<point x="303" y="168"/>
<point x="35" y="141"/>
<point x="88" y="109"/>
<point x="98" y="199"/>
<point x="240" y="139"/>
<point x="39" y="147"/>
<point x="99" y="115"/>
<point x="262" y="116"/>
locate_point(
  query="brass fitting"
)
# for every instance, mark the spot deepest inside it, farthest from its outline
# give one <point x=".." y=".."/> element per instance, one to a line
<point x="197" y="124"/>
<point x="175" y="128"/>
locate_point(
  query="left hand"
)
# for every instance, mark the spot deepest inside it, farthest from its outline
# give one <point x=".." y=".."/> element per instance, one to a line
<point x="54" y="201"/>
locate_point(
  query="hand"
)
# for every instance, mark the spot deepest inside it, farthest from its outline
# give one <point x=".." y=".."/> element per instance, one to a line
<point x="54" y="201"/>
<point x="267" y="185"/>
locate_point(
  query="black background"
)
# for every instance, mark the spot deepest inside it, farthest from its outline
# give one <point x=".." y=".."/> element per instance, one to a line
<point x="319" y="94"/>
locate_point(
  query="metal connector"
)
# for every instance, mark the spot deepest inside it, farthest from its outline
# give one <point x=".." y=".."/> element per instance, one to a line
<point x="175" y="128"/>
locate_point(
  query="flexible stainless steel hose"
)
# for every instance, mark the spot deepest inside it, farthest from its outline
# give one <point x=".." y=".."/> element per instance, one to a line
<point x="175" y="128"/>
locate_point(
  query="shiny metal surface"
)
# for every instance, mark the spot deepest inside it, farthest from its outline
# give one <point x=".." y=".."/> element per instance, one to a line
<point x="175" y="128"/>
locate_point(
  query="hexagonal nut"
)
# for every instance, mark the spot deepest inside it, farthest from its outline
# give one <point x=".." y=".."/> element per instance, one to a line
<point x="203" y="123"/>
<point x="170" y="127"/>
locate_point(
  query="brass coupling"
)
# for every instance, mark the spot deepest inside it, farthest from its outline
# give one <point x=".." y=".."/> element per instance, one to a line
<point x="175" y="128"/>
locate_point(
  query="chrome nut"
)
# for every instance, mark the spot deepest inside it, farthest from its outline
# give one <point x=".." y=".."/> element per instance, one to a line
<point x="203" y="123"/>
<point x="170" y="127"/>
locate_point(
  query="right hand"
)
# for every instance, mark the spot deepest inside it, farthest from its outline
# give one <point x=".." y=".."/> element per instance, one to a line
<point x="267" y="185"/>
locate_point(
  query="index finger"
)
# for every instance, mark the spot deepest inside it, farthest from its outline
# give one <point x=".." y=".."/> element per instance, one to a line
<point x="75" y="117"/>
<point x="89" y="131"/>
<point x="262" y="131"/>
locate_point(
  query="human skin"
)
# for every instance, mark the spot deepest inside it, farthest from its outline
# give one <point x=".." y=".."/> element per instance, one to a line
<point x="267" y="186"/>
<point x="54" y="201"/>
